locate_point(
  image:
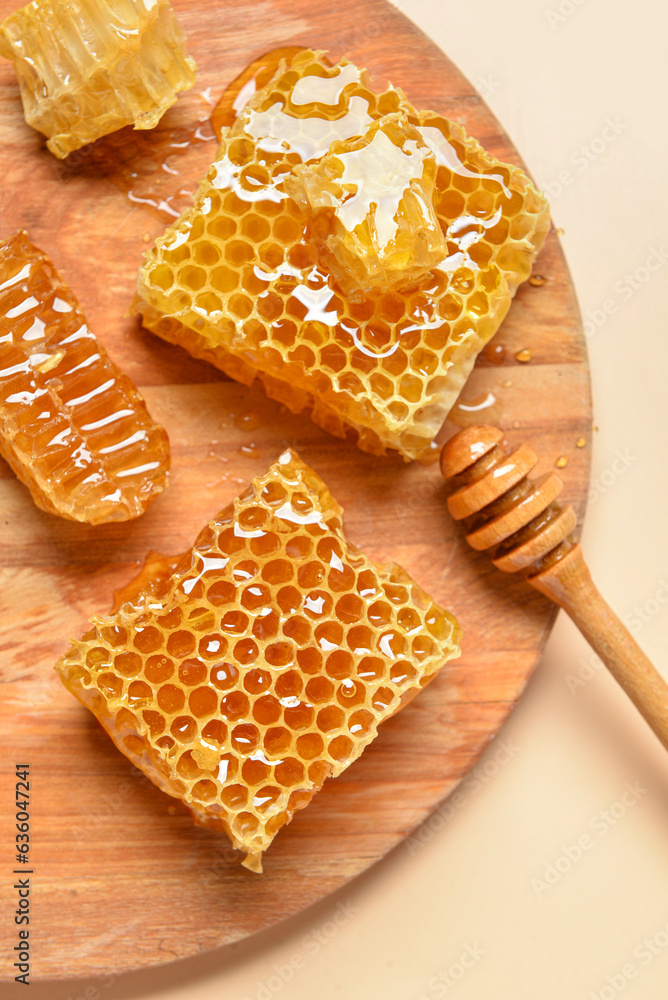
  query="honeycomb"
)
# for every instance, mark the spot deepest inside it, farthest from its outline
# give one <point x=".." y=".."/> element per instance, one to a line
<point x="73" y="428"/>
<point x="263" y="662"/>
<point x="371" y="205"/>
<point x="238" y="281"/>
<point x="88" y="67"/>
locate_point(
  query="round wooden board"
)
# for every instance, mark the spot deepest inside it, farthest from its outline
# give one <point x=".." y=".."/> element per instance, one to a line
<point x="122" y="879"/>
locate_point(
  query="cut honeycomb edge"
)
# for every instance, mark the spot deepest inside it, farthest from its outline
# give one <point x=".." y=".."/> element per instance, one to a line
<point x="409" y="445"/>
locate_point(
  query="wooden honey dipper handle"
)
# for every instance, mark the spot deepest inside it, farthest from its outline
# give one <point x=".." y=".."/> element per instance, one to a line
<point x="518" y="518"/>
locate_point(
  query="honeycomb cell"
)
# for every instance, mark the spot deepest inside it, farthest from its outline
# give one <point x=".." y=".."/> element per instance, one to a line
<point x="128" y="664"/>
<point x="330" y="718"/>
<point x="203" y="702"/>
<point x="140" y="694"/>
<point x="170" y="699"/>
<point x="358" y="328"/>
<point x="155" y="722"/>
<point x="309" y="746"/>
<point x="290" y="772"/>
<point x="204" y="791"/>
<point x="110" y="685"/>
<point x="245" y="738"/>
<point x="183" y="728"/>
<point x="148" y="640"/>
<point x="267" y="710"/>
<point x="341" y="748"/>
<point x="297" y="629"/>
<point x="87" y="68"/>
<point x="73" y="428"/>
<point x="244" y="723"/>
<point x="254" y="772"/>
<point x="319" y="689"/>
<point x="289" y="684"/>
<point x="277" y="740"/>
<point x="158" y="669"/>
<point x="224" y="676"/>
<point x="351" y="693"/>
<point x="115" y="636"/>
<point x="234" y="706"/>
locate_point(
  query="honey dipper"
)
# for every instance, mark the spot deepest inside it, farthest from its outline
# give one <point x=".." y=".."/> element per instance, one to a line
<point x="505" y="511"/>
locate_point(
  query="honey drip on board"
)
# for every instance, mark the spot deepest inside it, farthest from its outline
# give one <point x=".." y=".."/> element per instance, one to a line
<point x="237" y="279"/>
<point x="156" y="170"/>
<point x="254" y="78"/>
<point x="263" y="662"/>
<point x="474" y="410"/>
<point x="496" y="353"/>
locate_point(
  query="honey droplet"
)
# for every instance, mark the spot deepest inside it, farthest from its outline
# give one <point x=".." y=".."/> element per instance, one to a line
<point x="432" y="455"/>
<point x="496" y="353"/>
<point x="482" y="408"/>
<point x="250" y="450"/>
<point x="537" y="280"/>
<point x="581" y="442"/>
<point x="525" y="355"/>
<point x="249" y="420"/>
<point x="561" y="462"/>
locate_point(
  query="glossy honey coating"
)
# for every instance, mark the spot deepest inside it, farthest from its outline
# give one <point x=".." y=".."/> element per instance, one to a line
<point x="89" y="67"/>
<point x="73" y="427"/>
<point x="264" y="663"/>
<point x="371" y="205"/>
<point x="237" y="279"/>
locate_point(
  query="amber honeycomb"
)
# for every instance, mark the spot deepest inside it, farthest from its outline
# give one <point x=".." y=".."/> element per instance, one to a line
<point x="264" y="663"/>
<point x="236" y="279"/>
<point x="73" y="428"/>
<point x="89" y="67"/>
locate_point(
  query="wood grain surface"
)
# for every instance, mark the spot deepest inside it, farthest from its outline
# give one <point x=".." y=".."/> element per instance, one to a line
<point x="122" y="879"/>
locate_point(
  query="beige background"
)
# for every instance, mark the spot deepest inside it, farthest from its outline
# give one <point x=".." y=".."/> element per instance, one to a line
<point x="550" y="879"/>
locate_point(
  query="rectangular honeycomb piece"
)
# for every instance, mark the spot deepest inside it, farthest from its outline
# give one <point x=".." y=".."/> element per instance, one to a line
<point x="90" y="67"/>
<point x="263" y="663"/>
<point x="73" y="427"/>
<point x="237" y="279"/>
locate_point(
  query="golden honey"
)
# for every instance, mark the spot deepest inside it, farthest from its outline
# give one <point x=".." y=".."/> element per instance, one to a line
<point x="370" y="201"/>
<point x="239" y="279"/>
<point x="89" y="67"/>
<point x="73" y="428"/>
<point x="263" y="662"/>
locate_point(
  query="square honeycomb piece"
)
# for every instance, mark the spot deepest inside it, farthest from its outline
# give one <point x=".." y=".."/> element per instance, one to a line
<point x="371" y="202"/>
<point x="237" y="280"/>
<point x="263" y="662"/>
<point x="89" y="67"/>
<point x="73" y="427"/>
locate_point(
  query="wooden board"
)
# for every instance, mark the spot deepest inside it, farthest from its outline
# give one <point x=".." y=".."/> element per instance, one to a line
<point x="122" y="879"/>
